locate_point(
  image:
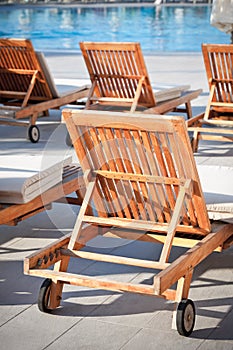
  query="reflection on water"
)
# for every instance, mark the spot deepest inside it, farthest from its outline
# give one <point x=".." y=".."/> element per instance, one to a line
<point x="158" y="29"/>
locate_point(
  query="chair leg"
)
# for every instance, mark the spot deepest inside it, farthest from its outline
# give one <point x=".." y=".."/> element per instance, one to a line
<point x="182" y="292"/>
<point x="189" y="109"/>
<point x="195" y="140"/>
<point x="57" y="286"/>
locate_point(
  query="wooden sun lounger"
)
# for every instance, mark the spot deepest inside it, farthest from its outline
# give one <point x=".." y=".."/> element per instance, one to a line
<point x="217" y="121"/>
<point x="27" y="89"/>
<point x="120" y="79"/>
<point x="72" y="181"/>
<point x="142" y="182"/>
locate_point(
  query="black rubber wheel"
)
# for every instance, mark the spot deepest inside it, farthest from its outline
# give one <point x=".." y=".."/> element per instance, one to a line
<point x="44" y="295"/>
<point x="185" y="317"/>
<point x="33" y="133"/>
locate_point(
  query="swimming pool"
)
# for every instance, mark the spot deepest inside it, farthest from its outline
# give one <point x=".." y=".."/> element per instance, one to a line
<point x="158" y="29"/>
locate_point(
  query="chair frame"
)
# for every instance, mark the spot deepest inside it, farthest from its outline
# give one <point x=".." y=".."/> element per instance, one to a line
<point x="120" y="79"/>
<point x="25" y="91"/>
<point x="216" y="122"/>
<point x="141" y="177"/>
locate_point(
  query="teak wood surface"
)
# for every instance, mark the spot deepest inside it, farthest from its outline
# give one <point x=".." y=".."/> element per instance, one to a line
<point x="25" y="91"/>
<point x="141" y="183"/>
<point x="120" y="80"/>
<point x="217" y="121"/>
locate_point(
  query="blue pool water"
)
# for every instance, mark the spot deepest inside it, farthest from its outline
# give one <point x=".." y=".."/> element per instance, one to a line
<point x="158" y="29"/>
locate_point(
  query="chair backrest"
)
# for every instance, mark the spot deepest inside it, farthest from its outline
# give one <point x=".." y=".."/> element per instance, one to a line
<point x="218" y="59"/>
<point x="46" y="72"/>
<point x="116" y="69"/>
<point x="18" y="63"/>
<point x="141" y="162"/>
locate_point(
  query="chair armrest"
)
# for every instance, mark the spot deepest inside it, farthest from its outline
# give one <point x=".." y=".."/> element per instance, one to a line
<point x="194" y="120"/>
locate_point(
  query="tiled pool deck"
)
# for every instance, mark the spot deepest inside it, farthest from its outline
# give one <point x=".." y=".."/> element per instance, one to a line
<point x="93" y="319"/>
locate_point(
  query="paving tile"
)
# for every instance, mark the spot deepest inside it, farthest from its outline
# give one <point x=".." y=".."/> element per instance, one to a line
<point x="163" y="318"/>
<point x="128" y="309"/>
<point x="138" y="249"/>
<point x="8" y="233"/>
<point x="224" y="330"/>
<point x="9" y="312"/>
<point x="15" y="286"/>
<point x="81" y="301"/>
<point x="33" y="329"/>
<point x="216" y="345"/>
<point x="17" y="291"/>
<point x="153" y="339"/>
<point x="94" y="334"/>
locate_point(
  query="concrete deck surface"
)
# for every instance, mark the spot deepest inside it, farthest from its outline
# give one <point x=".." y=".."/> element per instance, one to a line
<point x="91" y="319"/>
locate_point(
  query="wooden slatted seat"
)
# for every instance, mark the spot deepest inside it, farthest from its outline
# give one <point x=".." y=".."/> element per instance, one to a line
<point x="216" y="123"/>
<point x="120" y="79"/>
<point x="27" y="89"/>
<point x="141" y="184"/>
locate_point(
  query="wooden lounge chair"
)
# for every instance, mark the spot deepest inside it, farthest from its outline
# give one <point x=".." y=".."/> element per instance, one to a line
<point x="27" y="89"/>
<point x="72" y="181"/>
<point x="217" y="121"/>
<point x="120" y="79"/>
<point x="142" y="183"/>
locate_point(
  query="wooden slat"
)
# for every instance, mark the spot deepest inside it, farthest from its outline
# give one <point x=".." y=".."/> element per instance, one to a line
<point x="115" y="259"/>
<point x="155" y="191"/>
<point x="92" y="282"/>
<point x="108" y="163"/>
<point x="142" y="225"/>
<point x="185" y="240"/>
<point x="123" y="192"/>
<point x="140" y="177"/>
<point x="125" y="166"/>
<point x="181" y="172"/>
